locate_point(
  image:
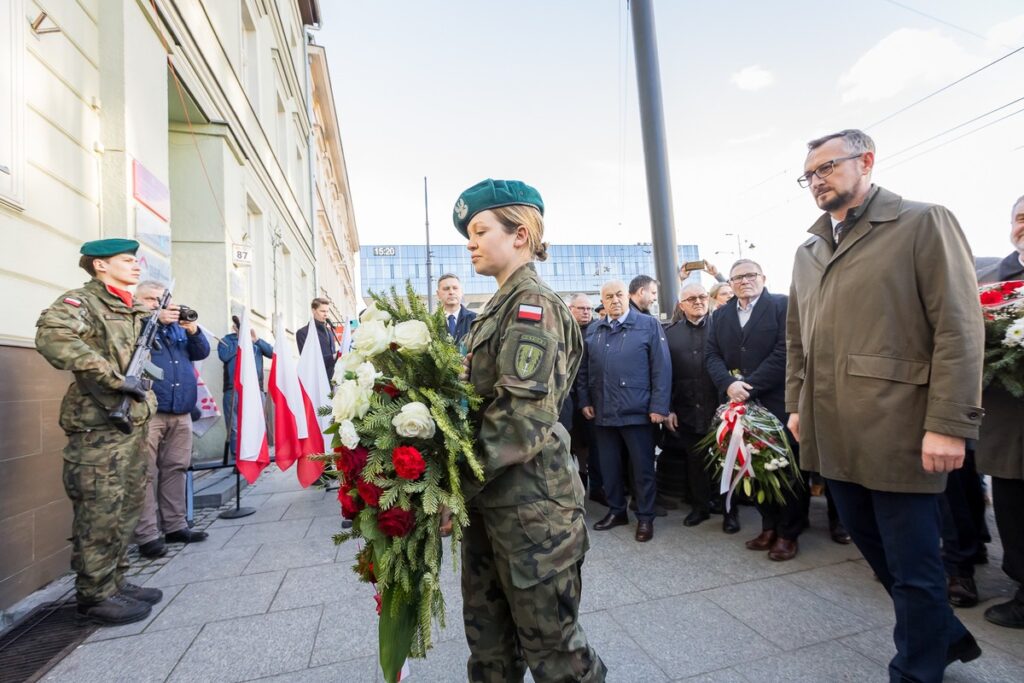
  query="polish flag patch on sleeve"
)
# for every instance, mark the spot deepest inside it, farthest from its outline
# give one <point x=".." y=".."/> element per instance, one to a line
<point x="528" y="312"/>
<point x="72" y="302"/>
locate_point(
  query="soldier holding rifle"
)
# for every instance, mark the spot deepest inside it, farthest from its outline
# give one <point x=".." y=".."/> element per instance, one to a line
<point x="92" y="331"/>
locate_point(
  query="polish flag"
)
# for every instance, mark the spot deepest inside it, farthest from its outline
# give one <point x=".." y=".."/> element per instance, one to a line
<point x="253" y="455"/>
<point x="316" y="393"/>
<point x="289" y="410"/>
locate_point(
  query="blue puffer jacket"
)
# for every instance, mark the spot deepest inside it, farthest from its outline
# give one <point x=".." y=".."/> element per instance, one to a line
<point x="176" y="392"/>
<point x="628" y="372"/>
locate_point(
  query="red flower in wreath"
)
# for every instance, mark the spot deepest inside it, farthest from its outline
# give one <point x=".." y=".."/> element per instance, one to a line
<point x="369" y="492"/>
<point x="351" y="461"/>
<point x="991" y="297"/>
<point x="408" y="462"/>
<point x="396" y="522"/>
<point x="1010" y="287"/>
<point x="350" y="505"/>
<point x="388" y="389"/>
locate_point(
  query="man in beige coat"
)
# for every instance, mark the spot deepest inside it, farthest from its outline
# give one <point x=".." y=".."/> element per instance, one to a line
<point x="885" y="340"/>
<point x="1000" y="450"/>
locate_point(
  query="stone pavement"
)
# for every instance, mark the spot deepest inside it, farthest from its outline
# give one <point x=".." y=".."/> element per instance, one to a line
<point x="269" y="597"/>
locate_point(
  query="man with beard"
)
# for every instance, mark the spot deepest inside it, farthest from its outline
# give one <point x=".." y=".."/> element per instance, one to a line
<point x="643" y="292"/>
<point x="885" y="347"/>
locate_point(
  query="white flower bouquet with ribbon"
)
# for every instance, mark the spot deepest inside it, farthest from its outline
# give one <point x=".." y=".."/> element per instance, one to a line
<point x="747" y="447"/>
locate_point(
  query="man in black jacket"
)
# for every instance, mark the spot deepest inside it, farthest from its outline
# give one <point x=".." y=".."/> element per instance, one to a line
<point x="643" y="292"/>
<point x="694" y="401"/>
<point x="746" y="358"/>
<point x="457" y="316"/>
<point x="328" y="342"/>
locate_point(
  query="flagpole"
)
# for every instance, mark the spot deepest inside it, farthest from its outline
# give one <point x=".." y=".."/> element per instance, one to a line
<point x="239" y="511"/>
<point x="426" y="220"/>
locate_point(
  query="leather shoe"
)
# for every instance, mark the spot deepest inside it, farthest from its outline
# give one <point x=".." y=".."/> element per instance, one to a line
<point x="153" y="549"/>
<point x="962" y="591"/>
<point x="610" y="521"/>
<point x="964" y="650"/>
<point x="659" y="511"/>
<point x="599" y="497"/>
<point x="695" y="517"/>
<point x="763" y="541"/>
<point x="717" y="507"/>
<point x="1008" y="614"/>
<point x="839" y="534"/>
<point x="731" y="522"/>
<point x="644" y="530"/>
<point x="783" y="549"/>
<point x="186" y="535"/>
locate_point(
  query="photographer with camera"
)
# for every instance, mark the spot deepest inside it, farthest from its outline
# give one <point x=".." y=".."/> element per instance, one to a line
<point x="168" y="446"/>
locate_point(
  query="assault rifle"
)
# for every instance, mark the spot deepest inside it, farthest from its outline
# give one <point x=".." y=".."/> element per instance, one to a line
<point x="141" y="370"/>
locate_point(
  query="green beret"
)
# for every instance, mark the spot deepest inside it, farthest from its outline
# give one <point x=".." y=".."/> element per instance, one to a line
<point x="109" y="247"/>
<point x="491" y="194"/>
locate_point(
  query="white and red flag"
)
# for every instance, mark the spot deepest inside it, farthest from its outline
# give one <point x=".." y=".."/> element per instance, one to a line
<point x="290" y="427"/>
<point x="253" y="455"/>
<point x="316" y="393"/>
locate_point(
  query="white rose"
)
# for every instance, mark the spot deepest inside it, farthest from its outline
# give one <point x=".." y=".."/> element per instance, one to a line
<point x="366" y="376"/>
<point x="414" y="421"/>
<point x="412" y="335"/>
<point x="374" y="313"/>
<point x="372" y="338"/>
<point x="771" y="466"/>
<point x="350" y="400"/>
<point x="1015" y="334"/>
<point x="349" y="362"/>
<point x="347" y="433"/>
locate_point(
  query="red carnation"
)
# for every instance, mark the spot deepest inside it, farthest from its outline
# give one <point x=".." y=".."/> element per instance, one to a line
<point x="388" y="389"/>
<point x="350" y="505"/>
<point x="991" y="297"/>
<point x="369" y="492"/>
<point x="408" y="462"/>
<point x="351" y="461"/>
<point x="396" y="521"/>
<point x="1011" y="286"/>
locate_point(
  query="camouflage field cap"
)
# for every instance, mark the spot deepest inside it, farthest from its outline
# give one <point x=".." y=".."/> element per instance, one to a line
<point x="109" y="247"/>
<point x="490" y="194"/>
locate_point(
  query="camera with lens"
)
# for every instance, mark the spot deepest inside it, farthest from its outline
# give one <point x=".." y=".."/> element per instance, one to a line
<point x="187" y="315"/>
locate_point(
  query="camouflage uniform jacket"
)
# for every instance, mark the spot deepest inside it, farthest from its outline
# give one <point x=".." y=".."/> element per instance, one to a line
<point x="526" y="350"/>
<point x="92" y="333"/>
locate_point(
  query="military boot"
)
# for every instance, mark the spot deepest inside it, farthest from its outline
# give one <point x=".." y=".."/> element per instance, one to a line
<point x="115" y="610"/>
<point x="150" y="596"/>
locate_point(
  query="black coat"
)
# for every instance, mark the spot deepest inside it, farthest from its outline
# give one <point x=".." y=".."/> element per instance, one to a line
<point x="328" y="345"/>
<point x="756" y="351"/>
<point x="694" y="396"/>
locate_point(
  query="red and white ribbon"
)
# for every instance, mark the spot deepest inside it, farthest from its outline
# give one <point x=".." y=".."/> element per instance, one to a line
<point x="737" y="452"/>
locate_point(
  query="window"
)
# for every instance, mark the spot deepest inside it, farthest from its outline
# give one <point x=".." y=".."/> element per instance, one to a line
<point x="250" y="58"/>
<point x="12" y="78"/>
<point x="262" y="257"/>
<point x="288" y="295"/>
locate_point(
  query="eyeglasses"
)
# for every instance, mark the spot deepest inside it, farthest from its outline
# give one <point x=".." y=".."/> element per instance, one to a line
<point x="824" y="171"/>
<point x="744" y="277"/>
<point x="582" y="308"/>
<point x="695" y="299"/>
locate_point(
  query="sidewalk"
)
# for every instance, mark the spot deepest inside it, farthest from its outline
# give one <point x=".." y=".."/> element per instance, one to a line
<point x="269" y="597"/>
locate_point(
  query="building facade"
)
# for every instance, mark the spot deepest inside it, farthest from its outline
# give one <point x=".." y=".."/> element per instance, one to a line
<point x="570" y="268"/>
<point x="191" y="126"/>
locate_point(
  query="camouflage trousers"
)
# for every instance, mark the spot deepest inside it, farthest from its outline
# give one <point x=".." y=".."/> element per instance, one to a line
<point x="509" y="627"/>
<point x="105" y="475"/>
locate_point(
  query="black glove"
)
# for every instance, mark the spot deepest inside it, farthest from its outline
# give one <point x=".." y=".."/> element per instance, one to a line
<point x="136" y="388"/>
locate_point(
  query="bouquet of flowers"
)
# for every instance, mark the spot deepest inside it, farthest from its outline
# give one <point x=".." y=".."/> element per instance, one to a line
<point x="401" y="436"/>
<point x="747" y="445"/>
<point x="1002" y="305"/>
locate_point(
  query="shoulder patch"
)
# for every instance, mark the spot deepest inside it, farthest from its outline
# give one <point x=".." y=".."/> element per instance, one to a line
<point x="530" y="312"/>
<point x="529" y="357"/>
<point x="71" y="301"/>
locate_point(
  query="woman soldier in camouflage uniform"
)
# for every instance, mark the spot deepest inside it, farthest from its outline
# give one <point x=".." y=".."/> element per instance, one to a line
<point x="523" y="549"/>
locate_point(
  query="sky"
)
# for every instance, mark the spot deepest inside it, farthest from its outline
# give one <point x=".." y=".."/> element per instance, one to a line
<point x="544" y="91"/>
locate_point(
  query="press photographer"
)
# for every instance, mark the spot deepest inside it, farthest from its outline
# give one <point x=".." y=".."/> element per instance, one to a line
<point x="168" y="445"/>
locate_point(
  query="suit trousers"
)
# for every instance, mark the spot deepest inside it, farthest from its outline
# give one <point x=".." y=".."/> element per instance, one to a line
<point x="700" y="489"/>
<point x="787" y="519"/>
<point x="961" y="537"/>
<point x="635" y="443"/>
<point x="168" y="450"/>
<point x="1008" y="502"/>
<point x="583" y="447"/>
<point x="898" y="534"/>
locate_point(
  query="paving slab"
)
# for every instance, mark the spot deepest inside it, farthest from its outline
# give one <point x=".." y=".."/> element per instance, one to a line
<point x="139" y="659"/>
<point x="348" y="630"/>
<point x="360" y="670"/>
<point x="269" y="532"/>
<point x="787" y="615"/>
<point x="852" y="586"/>
<point x="322" y="507"/>
<point x="822" y="662"/>
<point x="216" y="540"/>
<point x="310" y="585"/>
<point x="305" y="552"/>
<point x="250" y="647"/>
<point x="194" y="567"/>
<point x="109" y="632"/>
<point x="625" y="659"/>
<point x="262" y="514"/>
<point x="300" y="496"/>
<point x="605" y="585"/>
<point x="206" y="601"/>
<point x="688" y="635"/>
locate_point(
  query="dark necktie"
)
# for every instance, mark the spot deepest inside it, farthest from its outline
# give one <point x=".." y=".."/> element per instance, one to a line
<point x="451" y="325"/>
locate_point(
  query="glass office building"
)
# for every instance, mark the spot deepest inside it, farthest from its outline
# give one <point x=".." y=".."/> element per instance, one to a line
<point x="570" y="267"/>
